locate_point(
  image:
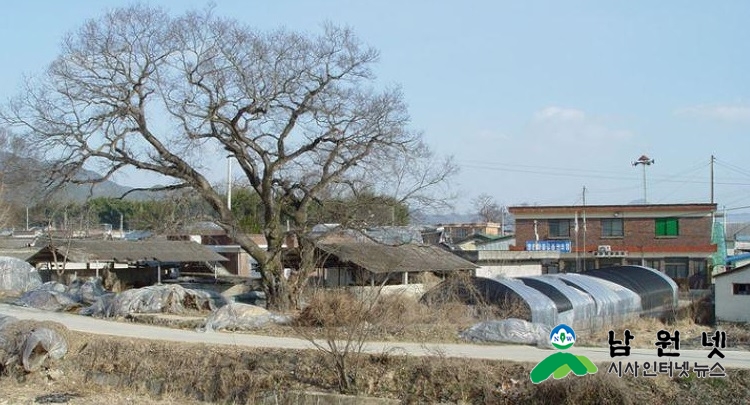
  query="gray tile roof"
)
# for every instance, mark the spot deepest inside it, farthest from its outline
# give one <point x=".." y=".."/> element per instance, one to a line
<point x="379" y="258"/>
<point x="126" y="251"/>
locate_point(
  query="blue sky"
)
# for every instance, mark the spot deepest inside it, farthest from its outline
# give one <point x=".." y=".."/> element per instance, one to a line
<point x="535" y="100"/>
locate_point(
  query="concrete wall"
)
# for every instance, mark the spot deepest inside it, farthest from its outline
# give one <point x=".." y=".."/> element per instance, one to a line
<point x="731" y="307"/>
<point x="513" y="270"/>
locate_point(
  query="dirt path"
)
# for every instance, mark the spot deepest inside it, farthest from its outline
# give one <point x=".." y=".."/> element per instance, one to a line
<point x="733" y="359"/>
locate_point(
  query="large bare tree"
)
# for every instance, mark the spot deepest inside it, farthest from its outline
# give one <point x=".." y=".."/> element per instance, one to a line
<point x="175" y="95"/>
<point x="487" y="209"/>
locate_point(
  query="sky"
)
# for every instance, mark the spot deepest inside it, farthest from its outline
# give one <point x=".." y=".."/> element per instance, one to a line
<point x="539" y="102"/>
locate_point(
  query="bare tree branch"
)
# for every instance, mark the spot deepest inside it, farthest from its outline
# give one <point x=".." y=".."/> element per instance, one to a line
<point x="139" y="88"/>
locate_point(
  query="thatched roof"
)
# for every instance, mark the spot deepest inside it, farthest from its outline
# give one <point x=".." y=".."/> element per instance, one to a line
<point x="83" y="251"/>
<point x="379" y="258"/>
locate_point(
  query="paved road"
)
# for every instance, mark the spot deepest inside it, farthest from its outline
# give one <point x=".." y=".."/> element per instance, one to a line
<point x="733" y="359"/>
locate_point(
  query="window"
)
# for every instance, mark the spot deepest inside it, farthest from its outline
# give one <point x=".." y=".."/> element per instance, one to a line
<point x="667" y="227"/>
<point x="634" y="262"/>
<point x="612" y="227"/>
<point x="676" y="268"/>
<point x="653" y="263"/>
<point x="559" y="228"/>
<point x="741" y="289"/>
<point x="460" y="233"/>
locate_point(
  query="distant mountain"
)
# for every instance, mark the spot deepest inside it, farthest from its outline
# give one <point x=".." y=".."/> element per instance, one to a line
<point x="25" y="179"/>
<point x="740" y="217"/>
<point x="107" y="188"/>
<point x="420" y="218"/>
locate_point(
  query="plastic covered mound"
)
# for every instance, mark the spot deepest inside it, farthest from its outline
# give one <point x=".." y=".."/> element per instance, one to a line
<point x="510" y="330"/>
<point x="238" y="317"/>
<point x="53" y="286"/>
<point x="48" y="300"/>
<point x="53" y="296"/>
<point x="86" y="292"/>
<point x="30" y="344"/>
<point x="173" y="299"/>
<point x="17" y="275"/>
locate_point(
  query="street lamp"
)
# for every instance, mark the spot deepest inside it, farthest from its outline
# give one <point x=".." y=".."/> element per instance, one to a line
<point x="229" y="181"/>
<point x="644" y="161"/>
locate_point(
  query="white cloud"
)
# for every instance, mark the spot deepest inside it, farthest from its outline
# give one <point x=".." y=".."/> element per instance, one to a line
<point x="559" y="114"/>
<point x="573" y="125"/>
<point x="722" y="112"/>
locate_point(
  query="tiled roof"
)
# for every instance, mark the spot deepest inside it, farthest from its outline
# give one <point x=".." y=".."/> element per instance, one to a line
<point x="124" y="251"/>
<point x="379" y="258"/>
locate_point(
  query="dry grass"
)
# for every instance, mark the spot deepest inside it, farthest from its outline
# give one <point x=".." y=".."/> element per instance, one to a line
<point x="111" y="370"/>
<point x="391" y="317"/>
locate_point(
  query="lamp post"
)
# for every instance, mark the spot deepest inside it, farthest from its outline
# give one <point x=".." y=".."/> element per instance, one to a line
<point x="229" y="181"/>
<point x="644" y="161"/>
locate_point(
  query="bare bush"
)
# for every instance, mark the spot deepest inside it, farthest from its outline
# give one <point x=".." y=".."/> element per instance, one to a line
<point x="342" y="323"/>
<point x="462" y="289"/>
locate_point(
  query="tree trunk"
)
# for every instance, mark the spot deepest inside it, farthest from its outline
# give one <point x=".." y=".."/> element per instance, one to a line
<point x="298" y="281"/>
<point x="276" y="286"/>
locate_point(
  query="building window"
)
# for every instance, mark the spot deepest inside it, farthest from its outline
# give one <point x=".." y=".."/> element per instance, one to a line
<point x="653" y="263"/>
<point x="612" y="227"/>
<point x="741" y="289"/>
<point x="667" y="227"/>
<point x="559" y="228"/>
<point x="676" y="268"/>
<point x="460" y="233"/>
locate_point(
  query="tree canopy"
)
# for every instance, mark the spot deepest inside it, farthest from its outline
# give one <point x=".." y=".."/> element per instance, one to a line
<point x="299" y="114"/>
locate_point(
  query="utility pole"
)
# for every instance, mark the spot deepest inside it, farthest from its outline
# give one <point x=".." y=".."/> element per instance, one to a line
<point x="713" y="159"/>
<point x="502" y="220"/>
<point x="584" y="227"/>
<point x="645" y="161"/>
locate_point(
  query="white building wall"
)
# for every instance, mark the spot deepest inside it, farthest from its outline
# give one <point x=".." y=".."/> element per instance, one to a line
<point x="731" y="307"/>
<point x="514" y="270"/>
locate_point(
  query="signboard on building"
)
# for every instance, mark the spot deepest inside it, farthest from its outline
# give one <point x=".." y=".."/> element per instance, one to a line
<point x="548" y="245"/>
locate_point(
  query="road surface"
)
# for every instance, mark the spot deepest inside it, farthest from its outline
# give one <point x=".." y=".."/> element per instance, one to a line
<point x="519" y="353"/>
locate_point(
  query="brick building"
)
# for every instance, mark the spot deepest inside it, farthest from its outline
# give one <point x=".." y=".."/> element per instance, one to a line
<point x="673" y="238"/>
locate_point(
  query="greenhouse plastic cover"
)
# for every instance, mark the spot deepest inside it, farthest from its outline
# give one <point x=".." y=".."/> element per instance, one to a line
<point x="613" y="301"/>
<point x="657" y="290"/>
<point x="154" y="299"/>
<point x="17" y="275"/>
<point x="543" y="309"/>
<point x="512" y="330"/>
<point x="238" y="317"/>
<point x="582" y="306"/>
<point x="32" y="344"/>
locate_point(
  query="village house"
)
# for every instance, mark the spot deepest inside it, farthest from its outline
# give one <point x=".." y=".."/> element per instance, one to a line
<point x="122" y="263"/>
<point x="673" y="238"/>
<point x="732" y="295"/>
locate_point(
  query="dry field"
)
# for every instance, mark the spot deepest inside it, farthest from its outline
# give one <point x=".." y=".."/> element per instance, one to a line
<point x="123" y="371"/>
<point x="128" y="371"/>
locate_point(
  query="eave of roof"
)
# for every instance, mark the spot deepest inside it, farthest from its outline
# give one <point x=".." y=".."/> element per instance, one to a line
<point x="130" y="251"/>
<point x="379" y="258"/>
